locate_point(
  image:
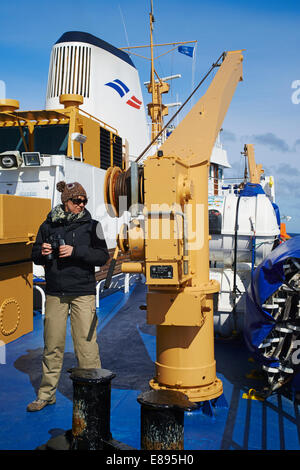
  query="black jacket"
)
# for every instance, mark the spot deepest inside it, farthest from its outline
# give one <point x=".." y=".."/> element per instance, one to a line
<point x="74" y="275"/>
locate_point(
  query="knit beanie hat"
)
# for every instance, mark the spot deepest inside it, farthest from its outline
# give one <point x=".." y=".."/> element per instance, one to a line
<point x="70" y="190"/>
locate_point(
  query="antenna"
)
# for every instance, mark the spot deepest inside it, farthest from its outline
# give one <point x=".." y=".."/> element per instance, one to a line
<point x="124" y="26"/>
<point x="157" y="86"/>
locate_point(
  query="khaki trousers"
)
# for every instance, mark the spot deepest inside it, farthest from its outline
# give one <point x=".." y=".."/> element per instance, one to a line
<point x="82" y="310"/>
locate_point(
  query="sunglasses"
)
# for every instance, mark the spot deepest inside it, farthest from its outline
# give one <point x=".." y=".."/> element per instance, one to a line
<point x="78" y="201"/>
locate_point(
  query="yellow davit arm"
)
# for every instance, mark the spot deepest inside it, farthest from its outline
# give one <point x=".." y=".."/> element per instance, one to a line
<point x="254" y="169"/>
<point x="180" y="304"/>
<point x="194" y="138"/>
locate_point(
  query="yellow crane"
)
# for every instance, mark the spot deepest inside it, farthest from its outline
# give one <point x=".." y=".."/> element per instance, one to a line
<point x="255" y="170"/>
<point x="169" y="240"/>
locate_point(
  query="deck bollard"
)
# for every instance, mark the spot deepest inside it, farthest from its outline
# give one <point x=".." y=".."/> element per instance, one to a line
<point x="162" y="419"/>
<point x="91" y="408"/>
<point x="91" y="414"/>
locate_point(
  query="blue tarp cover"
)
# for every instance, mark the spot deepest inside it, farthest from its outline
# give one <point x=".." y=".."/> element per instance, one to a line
<point x="277" y="212"/>
<point x="251" y="189"/>
<point x="266" y="279"/>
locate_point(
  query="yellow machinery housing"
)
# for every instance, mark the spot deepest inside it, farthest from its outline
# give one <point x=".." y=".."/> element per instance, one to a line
<point x="39" y="129"/>
<point x="20" y="218"/>
<point x="170" y="243"/>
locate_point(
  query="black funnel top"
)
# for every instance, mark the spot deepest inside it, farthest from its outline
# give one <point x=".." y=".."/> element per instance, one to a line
<point x="78" y="36"/>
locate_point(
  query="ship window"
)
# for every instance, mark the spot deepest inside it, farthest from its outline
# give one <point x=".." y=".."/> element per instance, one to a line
<point x="10" y="139"/>
<point x="51" y="139"/>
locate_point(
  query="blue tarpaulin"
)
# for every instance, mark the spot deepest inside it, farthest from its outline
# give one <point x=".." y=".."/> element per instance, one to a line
<point x="251" y="189"/>
<point x="277" y="212"/>
<point x="266" y="279"/>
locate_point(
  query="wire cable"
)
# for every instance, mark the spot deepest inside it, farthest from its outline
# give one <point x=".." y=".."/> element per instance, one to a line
<point x="214" y="65"/>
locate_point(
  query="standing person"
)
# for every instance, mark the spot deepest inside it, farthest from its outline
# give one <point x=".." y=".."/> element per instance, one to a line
<point x="69" y="245"/>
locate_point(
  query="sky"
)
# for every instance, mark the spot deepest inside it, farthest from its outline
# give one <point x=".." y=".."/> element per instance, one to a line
<point x="265" y="109"/>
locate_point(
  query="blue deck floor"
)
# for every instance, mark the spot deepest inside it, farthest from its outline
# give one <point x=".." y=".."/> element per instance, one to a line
<point x="127" y="348"/>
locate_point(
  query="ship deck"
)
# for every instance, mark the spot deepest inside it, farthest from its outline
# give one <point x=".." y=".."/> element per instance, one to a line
<point x="237" y="424"/>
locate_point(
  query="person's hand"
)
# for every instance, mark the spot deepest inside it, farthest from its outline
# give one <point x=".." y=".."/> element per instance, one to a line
<point x="46" y="249"/>
<point x="65" y="251"/>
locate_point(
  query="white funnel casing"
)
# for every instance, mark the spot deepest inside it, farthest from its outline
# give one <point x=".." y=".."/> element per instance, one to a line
<point x="108" y="81"/>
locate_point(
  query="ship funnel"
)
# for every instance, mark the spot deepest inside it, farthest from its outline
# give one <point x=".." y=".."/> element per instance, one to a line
<point x="9" y="106"/>
<point x="106" y="78"/>
<point x="71" y="100"/>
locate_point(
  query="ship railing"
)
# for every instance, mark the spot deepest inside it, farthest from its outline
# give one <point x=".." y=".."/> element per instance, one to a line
<point x="41" y="291"/>
<point x="119" y="282"/>
<point x="217" y="186"/>
<point x="229" y="186"/>
<point x="104" y="124"/>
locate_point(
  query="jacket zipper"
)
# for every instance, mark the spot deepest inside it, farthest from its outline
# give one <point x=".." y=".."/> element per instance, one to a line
<point x="73" y="240"/>
<point x="61" y="284"/>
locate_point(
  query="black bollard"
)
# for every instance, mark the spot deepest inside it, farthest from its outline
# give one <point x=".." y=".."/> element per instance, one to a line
<point x="162" y="419"/>
<point x="91" y="408"/>
<point x="91" y="414"/>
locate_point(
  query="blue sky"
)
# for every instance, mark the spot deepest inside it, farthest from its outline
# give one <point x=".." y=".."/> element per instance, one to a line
<point x="262" y="111"/>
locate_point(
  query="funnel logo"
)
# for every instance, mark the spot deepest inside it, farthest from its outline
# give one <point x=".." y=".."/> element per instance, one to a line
<point x="134" y="102"/>
<point x="122" y="90"/>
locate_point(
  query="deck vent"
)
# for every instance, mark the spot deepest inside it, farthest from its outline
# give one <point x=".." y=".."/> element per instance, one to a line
<point x="105" y="154"/>
<point x="69" y="72"/>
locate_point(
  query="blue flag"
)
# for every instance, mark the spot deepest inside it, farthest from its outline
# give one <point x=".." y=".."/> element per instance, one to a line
<point x="187" y="50"/>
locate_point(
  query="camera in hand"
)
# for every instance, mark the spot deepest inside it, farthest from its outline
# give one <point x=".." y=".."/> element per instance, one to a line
<point x="55" y="241"/>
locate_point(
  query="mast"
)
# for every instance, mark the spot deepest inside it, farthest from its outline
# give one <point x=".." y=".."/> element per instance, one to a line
<point x="156" y="88"/>
<point x="152" y="79"/>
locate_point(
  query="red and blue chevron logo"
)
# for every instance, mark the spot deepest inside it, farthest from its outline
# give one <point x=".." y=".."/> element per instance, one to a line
<point x="123" y="90"/>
